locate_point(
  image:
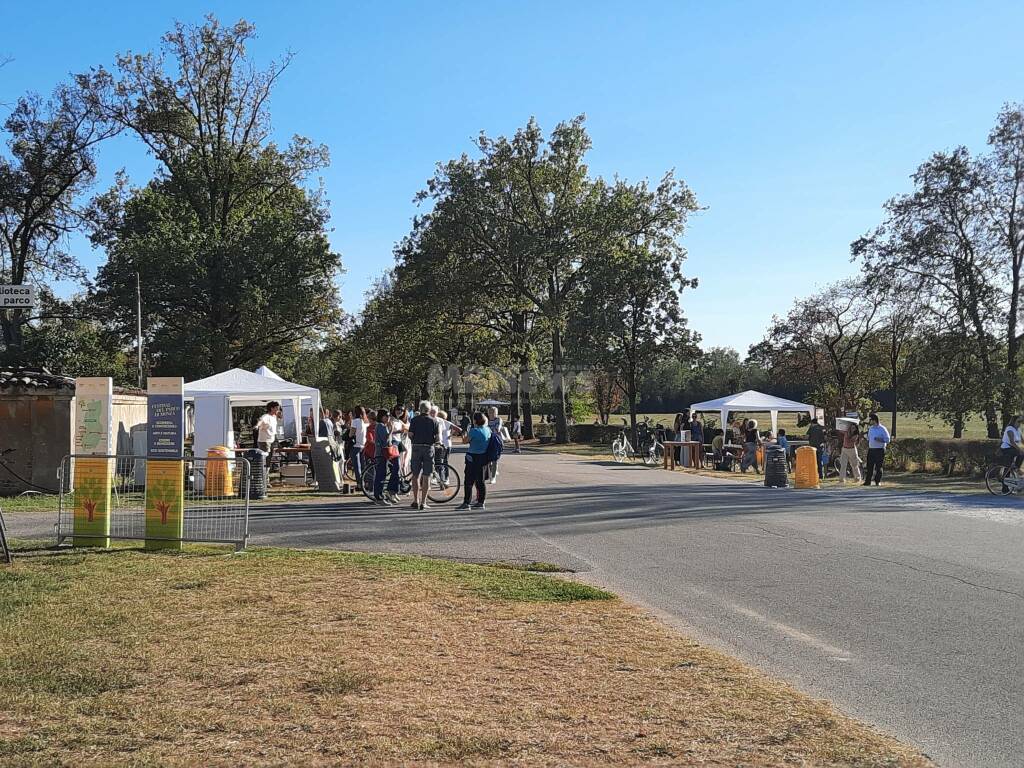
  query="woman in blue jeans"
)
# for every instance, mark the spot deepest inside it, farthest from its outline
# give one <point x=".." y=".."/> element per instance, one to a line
<point x="476" y="458"/>
<point x="382" y="440"/>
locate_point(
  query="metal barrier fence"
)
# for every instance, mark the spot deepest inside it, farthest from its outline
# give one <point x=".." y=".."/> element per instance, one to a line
<point x="215" y="508"/>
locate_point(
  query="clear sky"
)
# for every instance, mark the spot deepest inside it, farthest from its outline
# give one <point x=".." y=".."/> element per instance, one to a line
<point x="793" y="122"/>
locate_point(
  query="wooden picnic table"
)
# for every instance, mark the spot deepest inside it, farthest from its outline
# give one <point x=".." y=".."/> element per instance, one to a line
<point x="696" y="451"/>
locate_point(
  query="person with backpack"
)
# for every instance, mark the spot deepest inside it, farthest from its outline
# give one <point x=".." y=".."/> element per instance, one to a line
<point x="498" y="435"/>
<point x="479" y="438"/>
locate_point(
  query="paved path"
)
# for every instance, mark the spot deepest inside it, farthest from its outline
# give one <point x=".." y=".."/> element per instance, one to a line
<point x="904" y="609"/>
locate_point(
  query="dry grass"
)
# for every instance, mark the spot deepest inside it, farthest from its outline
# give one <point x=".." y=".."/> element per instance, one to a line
<point x="291" y="658"/>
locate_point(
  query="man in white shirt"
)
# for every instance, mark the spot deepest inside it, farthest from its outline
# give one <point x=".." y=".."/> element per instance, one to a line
<point x="267" y="426"/>
<point x="1012" y="447"/>
<point x="878" y="439"/>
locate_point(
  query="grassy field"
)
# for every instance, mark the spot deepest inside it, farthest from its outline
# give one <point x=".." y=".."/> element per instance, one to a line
<point x="279" y="657"/>
<point x="907" y="424"/>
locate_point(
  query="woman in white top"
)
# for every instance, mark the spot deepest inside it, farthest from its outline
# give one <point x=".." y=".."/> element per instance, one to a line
<point x="1012" y="448"/>
<point x="357" y="428"/>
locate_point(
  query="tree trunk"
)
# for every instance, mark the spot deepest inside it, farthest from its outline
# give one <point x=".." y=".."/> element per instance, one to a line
<point x="11" y="322"/>
<point x="958" y="427"/>
<point x="525" y="399"/>
<point x="557" y="360"/>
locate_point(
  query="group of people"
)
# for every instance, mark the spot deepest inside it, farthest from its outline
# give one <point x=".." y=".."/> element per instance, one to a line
<point x="407" y="441"/>
<point x="847" y="443"/>
<point x="745" y="434"/>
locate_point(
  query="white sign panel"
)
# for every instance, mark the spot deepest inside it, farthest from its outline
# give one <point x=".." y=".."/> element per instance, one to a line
<point x="93" y="415"/>
<point x="17" y="296"/>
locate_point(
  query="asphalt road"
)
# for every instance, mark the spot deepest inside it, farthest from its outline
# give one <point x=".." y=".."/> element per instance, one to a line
<point x="904" y="609"/>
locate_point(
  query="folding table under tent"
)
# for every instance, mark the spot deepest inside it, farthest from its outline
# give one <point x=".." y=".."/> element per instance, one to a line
<point x="214" y="396"/>
<point x="756" y="402"/>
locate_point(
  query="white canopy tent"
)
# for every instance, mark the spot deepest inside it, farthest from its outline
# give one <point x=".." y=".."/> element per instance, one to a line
<point x="215" y="395"/>
<point x="752" y="401"/>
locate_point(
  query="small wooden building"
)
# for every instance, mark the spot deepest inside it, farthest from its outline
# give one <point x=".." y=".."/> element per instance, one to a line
<point x="37" y="425"/>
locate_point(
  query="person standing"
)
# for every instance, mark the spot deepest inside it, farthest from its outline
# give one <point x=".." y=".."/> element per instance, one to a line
<point x="697" y="436"/>
<point x="357" y="428"/>
<point x="382" y="441"/>
<point x="326" y="427"/>
<point x="848" y="456"/>
<point x="497" y="427"/>
<point x="267" y="428"/>
<point x="816" y="439"/>
<point x="751" y="440"/>
<point x="517" y="432"/>
<point x="478" y="437"/>
<point x="424" y="434"/>
<point x="878" y="441"/>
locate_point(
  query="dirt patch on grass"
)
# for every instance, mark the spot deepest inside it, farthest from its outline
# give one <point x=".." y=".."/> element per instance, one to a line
<point x="299" y="658"/>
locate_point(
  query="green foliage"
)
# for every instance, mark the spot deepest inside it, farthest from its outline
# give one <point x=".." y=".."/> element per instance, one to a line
<point x="67" y="338"/>
<point x="233" y="252"/>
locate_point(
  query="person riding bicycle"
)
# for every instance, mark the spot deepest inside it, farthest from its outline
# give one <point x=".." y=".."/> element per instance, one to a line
<point x="1012" y="447"/>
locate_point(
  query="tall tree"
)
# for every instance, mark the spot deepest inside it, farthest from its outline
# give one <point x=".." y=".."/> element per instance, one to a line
<point x="1005" y="182"/>
<point x="826" y="337"/>
<point x="49" y="164"/>
<point x="630" y="316"/>
<point x="232" y="247"/>
<point x="936" y="240"/>
<point x="529" y="211"/>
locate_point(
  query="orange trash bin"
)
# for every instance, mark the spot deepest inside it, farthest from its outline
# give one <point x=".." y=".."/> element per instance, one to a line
<point x="806" y="474"/>
<point x="219" y="472"/>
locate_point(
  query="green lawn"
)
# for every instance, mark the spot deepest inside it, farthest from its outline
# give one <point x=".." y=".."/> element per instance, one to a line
<point x="908" y="424"/>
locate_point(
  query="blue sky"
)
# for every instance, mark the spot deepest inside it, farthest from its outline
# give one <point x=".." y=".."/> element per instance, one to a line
<point x="793" y="122"/>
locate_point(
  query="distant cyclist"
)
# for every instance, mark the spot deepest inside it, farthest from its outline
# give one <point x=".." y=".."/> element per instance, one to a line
<point x="1012" y="448"/>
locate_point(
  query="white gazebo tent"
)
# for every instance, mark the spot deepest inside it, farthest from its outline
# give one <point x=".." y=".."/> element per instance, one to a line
<point x="215" y="395"/>
<point x="756" y="402"/>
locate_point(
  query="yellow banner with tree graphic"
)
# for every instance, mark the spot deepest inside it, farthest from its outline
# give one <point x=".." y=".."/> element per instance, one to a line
<point x="92" y="476"/>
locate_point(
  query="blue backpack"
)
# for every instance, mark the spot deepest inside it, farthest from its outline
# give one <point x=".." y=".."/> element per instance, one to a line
<point x="494" y="447"/>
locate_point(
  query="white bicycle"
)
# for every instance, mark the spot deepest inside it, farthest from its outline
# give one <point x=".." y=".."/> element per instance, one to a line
<point x="1003" y="480"/>
<point x="650" y="451"/>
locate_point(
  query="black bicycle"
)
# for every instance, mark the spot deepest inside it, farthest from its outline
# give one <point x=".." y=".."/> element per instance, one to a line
<point x="445" y="481"/>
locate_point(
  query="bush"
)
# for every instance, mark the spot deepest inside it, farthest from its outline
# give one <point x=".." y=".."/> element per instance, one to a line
<point x="946" y="455"/>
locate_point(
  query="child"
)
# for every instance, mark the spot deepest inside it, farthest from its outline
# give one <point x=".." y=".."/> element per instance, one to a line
<point x="785" y="445"/>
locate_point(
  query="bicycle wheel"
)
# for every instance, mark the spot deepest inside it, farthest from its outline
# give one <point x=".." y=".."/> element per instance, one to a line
<point x="444" y="485"/>
<point x="994" y="480"/>
<point x="649" y="455"/>
<point x="618" y="451"/>
<point x="369" y="473"/>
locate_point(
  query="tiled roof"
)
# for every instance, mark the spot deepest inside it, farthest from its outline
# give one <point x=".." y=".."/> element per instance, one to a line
<point x="34" y="378"/>
<point x="25" y="378"/>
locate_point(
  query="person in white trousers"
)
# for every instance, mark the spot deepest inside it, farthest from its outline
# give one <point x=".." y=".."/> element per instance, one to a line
<point x="848" y="456"/>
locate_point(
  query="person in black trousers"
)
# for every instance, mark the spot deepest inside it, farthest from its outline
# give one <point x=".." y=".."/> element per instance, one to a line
<point x="816" y="438"/>
<point x="476" y="461"/>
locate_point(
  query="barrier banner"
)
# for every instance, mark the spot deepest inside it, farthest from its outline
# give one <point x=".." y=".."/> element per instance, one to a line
<point x="165" y="471"/>
<point x="94" y="399"/>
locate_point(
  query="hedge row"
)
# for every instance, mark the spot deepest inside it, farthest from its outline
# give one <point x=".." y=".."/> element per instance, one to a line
<point x="949" y="456"/>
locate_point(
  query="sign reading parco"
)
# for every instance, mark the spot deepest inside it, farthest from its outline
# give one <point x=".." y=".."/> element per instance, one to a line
<point x="17" y="296"/>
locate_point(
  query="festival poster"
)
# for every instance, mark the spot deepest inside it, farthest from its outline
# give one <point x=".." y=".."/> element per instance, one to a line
<point x="94" y="399"/>
<point x="165" y="476"/>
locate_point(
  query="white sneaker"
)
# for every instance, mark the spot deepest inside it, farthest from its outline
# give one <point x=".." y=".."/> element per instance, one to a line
<point x="494" y="481"/>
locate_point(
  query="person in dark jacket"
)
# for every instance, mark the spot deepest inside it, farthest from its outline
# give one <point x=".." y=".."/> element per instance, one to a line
<point x="816" y="439"/>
